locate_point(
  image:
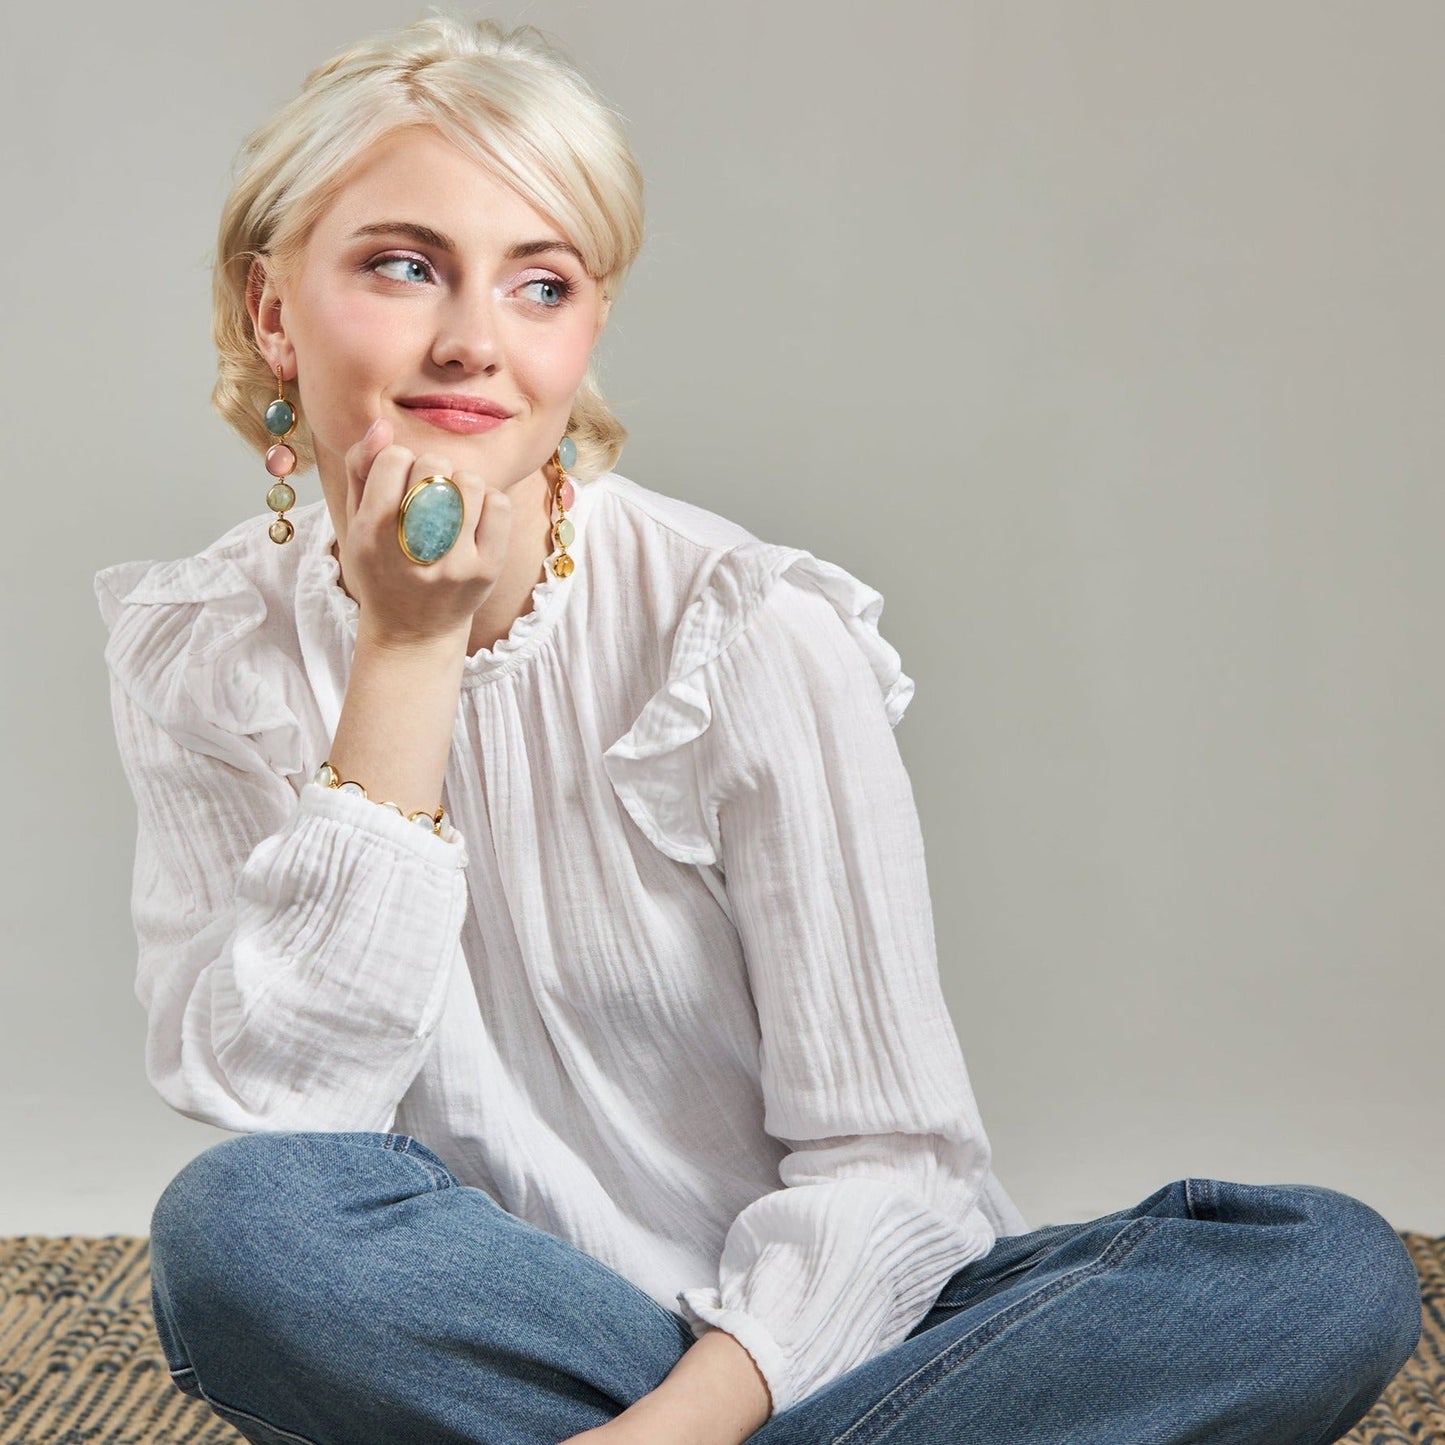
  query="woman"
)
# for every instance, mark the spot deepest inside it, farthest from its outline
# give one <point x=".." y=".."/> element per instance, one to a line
<point x="527" y="873"/>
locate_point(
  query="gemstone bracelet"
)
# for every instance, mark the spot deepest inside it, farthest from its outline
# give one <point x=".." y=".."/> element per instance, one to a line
<point x="328" y="777"/>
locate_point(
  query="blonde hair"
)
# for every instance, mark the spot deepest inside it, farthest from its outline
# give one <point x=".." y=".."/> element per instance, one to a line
<point x="513" y="100"/>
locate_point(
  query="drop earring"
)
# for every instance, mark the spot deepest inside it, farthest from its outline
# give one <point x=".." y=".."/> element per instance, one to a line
<point x="563" y="494"/>
<point x="281" y="461"/>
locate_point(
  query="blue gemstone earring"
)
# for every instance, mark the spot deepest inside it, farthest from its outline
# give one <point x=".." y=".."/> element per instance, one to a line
<point x="563" y="494"/>
<point x="281" y="462"/>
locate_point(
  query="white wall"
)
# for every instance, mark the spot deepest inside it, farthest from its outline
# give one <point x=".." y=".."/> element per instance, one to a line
<point x="1103" y="338"/>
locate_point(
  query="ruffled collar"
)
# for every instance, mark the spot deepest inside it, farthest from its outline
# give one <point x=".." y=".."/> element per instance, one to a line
<point x="319" y="585"/>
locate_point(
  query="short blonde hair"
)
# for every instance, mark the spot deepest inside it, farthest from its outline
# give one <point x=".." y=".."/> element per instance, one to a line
<point x="513" y="100"/>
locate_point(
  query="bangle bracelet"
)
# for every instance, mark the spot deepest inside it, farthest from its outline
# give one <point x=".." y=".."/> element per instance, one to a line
<point x="328" y="777"/>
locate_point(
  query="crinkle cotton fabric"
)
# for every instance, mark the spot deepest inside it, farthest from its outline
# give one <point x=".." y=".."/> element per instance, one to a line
<point x="665" y="987"/>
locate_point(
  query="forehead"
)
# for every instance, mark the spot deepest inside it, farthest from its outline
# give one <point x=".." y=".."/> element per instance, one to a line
<point x="418" y="175"/>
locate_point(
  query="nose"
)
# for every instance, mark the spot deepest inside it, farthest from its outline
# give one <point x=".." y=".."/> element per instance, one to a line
<point x="467" y="330"/>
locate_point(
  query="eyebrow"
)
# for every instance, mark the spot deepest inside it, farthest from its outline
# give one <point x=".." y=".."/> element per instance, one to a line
<point x="440" y="242"/>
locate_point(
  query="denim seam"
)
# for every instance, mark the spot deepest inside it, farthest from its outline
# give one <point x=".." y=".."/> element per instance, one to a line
<point x="883" y="1412"/>
<point x="1199" y="1199"/>
<point x="678" y="1321"/>
<point x="187" y="1382"/>
<point x="222" y="1409"/>
<point x="172" y="1329"/>
<point x="439" y="1175"/>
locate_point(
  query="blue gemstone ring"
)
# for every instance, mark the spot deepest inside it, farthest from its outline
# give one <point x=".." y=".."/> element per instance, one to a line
<point x="429" y="520"/>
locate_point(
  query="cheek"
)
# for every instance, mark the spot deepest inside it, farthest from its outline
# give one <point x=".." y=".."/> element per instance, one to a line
<point x="553" y="363"/>
<point x="355" y="332"/>
<point x="360" y="327"/>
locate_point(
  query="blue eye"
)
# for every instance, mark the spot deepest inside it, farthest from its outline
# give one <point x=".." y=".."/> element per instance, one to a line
<point x="393" y="260"/>
<point x="561" y="287"/>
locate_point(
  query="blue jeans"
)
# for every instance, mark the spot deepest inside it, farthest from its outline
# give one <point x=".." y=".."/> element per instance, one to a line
<point x="344" y="1289"/>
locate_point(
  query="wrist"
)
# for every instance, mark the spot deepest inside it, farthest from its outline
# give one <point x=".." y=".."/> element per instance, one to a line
<point x="715" y="1395"/>
<point x="432" y="819"/>
<point x="668" y="1415"/>
<point x="443" y="646"/>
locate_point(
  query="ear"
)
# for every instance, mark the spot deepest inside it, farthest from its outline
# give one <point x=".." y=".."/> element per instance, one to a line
<point x="263" y="301"/>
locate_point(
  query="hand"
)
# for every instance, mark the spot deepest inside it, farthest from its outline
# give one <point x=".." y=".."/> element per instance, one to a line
<point x="624" y="1432"/>
<point x="403" y="603"/>
<point x="714" y="1395"/>
<point x="635" y="1430"/>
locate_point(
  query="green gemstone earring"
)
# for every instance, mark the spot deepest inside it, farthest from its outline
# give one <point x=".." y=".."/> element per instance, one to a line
<point x="281" y="461"/>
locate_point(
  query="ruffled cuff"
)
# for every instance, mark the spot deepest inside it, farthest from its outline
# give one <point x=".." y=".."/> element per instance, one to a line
<point x="819" y="1278"/>
<point x="448" y="848"/>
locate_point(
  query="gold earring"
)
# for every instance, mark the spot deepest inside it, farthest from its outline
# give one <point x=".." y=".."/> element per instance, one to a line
<point x="563" y="493"/>
<point x="281" y="461"/>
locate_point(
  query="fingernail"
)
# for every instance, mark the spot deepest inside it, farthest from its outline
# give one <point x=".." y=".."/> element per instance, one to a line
<point x="371" y="430"/>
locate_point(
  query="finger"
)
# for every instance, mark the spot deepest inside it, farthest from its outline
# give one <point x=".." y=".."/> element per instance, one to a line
<point x="494" y="524"/>
<point x="394" y="472"/>
<point x="476" y="500"/>
<point x="359" y="460"/>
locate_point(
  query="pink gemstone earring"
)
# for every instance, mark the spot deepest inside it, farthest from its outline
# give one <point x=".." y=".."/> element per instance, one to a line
<point x="281" y="461"/>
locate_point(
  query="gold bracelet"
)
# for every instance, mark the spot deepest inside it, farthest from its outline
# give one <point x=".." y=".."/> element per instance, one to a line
<point x="328" y="777"/>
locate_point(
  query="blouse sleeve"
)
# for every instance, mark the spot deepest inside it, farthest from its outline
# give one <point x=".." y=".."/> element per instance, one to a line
<point x="295" y="942"/>
<point x="771" y="752"/>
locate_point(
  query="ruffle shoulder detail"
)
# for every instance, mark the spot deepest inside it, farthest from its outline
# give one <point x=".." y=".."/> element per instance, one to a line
<point x="184" y="643"/>
<point x="652" y="768"/>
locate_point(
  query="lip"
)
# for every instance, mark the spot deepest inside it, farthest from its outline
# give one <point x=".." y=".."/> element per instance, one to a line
<point x="454" y="401"/>
<point x="463" y="422"/>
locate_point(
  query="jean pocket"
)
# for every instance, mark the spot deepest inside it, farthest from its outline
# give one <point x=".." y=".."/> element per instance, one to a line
<point x="1006" y="1260"/>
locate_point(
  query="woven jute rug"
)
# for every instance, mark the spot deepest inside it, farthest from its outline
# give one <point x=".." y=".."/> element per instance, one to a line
<point x="80" y="1362"/>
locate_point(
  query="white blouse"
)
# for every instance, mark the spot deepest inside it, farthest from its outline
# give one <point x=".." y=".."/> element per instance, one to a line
<point x="666" y="987"/>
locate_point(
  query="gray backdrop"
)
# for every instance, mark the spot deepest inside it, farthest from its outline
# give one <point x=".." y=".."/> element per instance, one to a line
<point x="1103" y="338"/>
